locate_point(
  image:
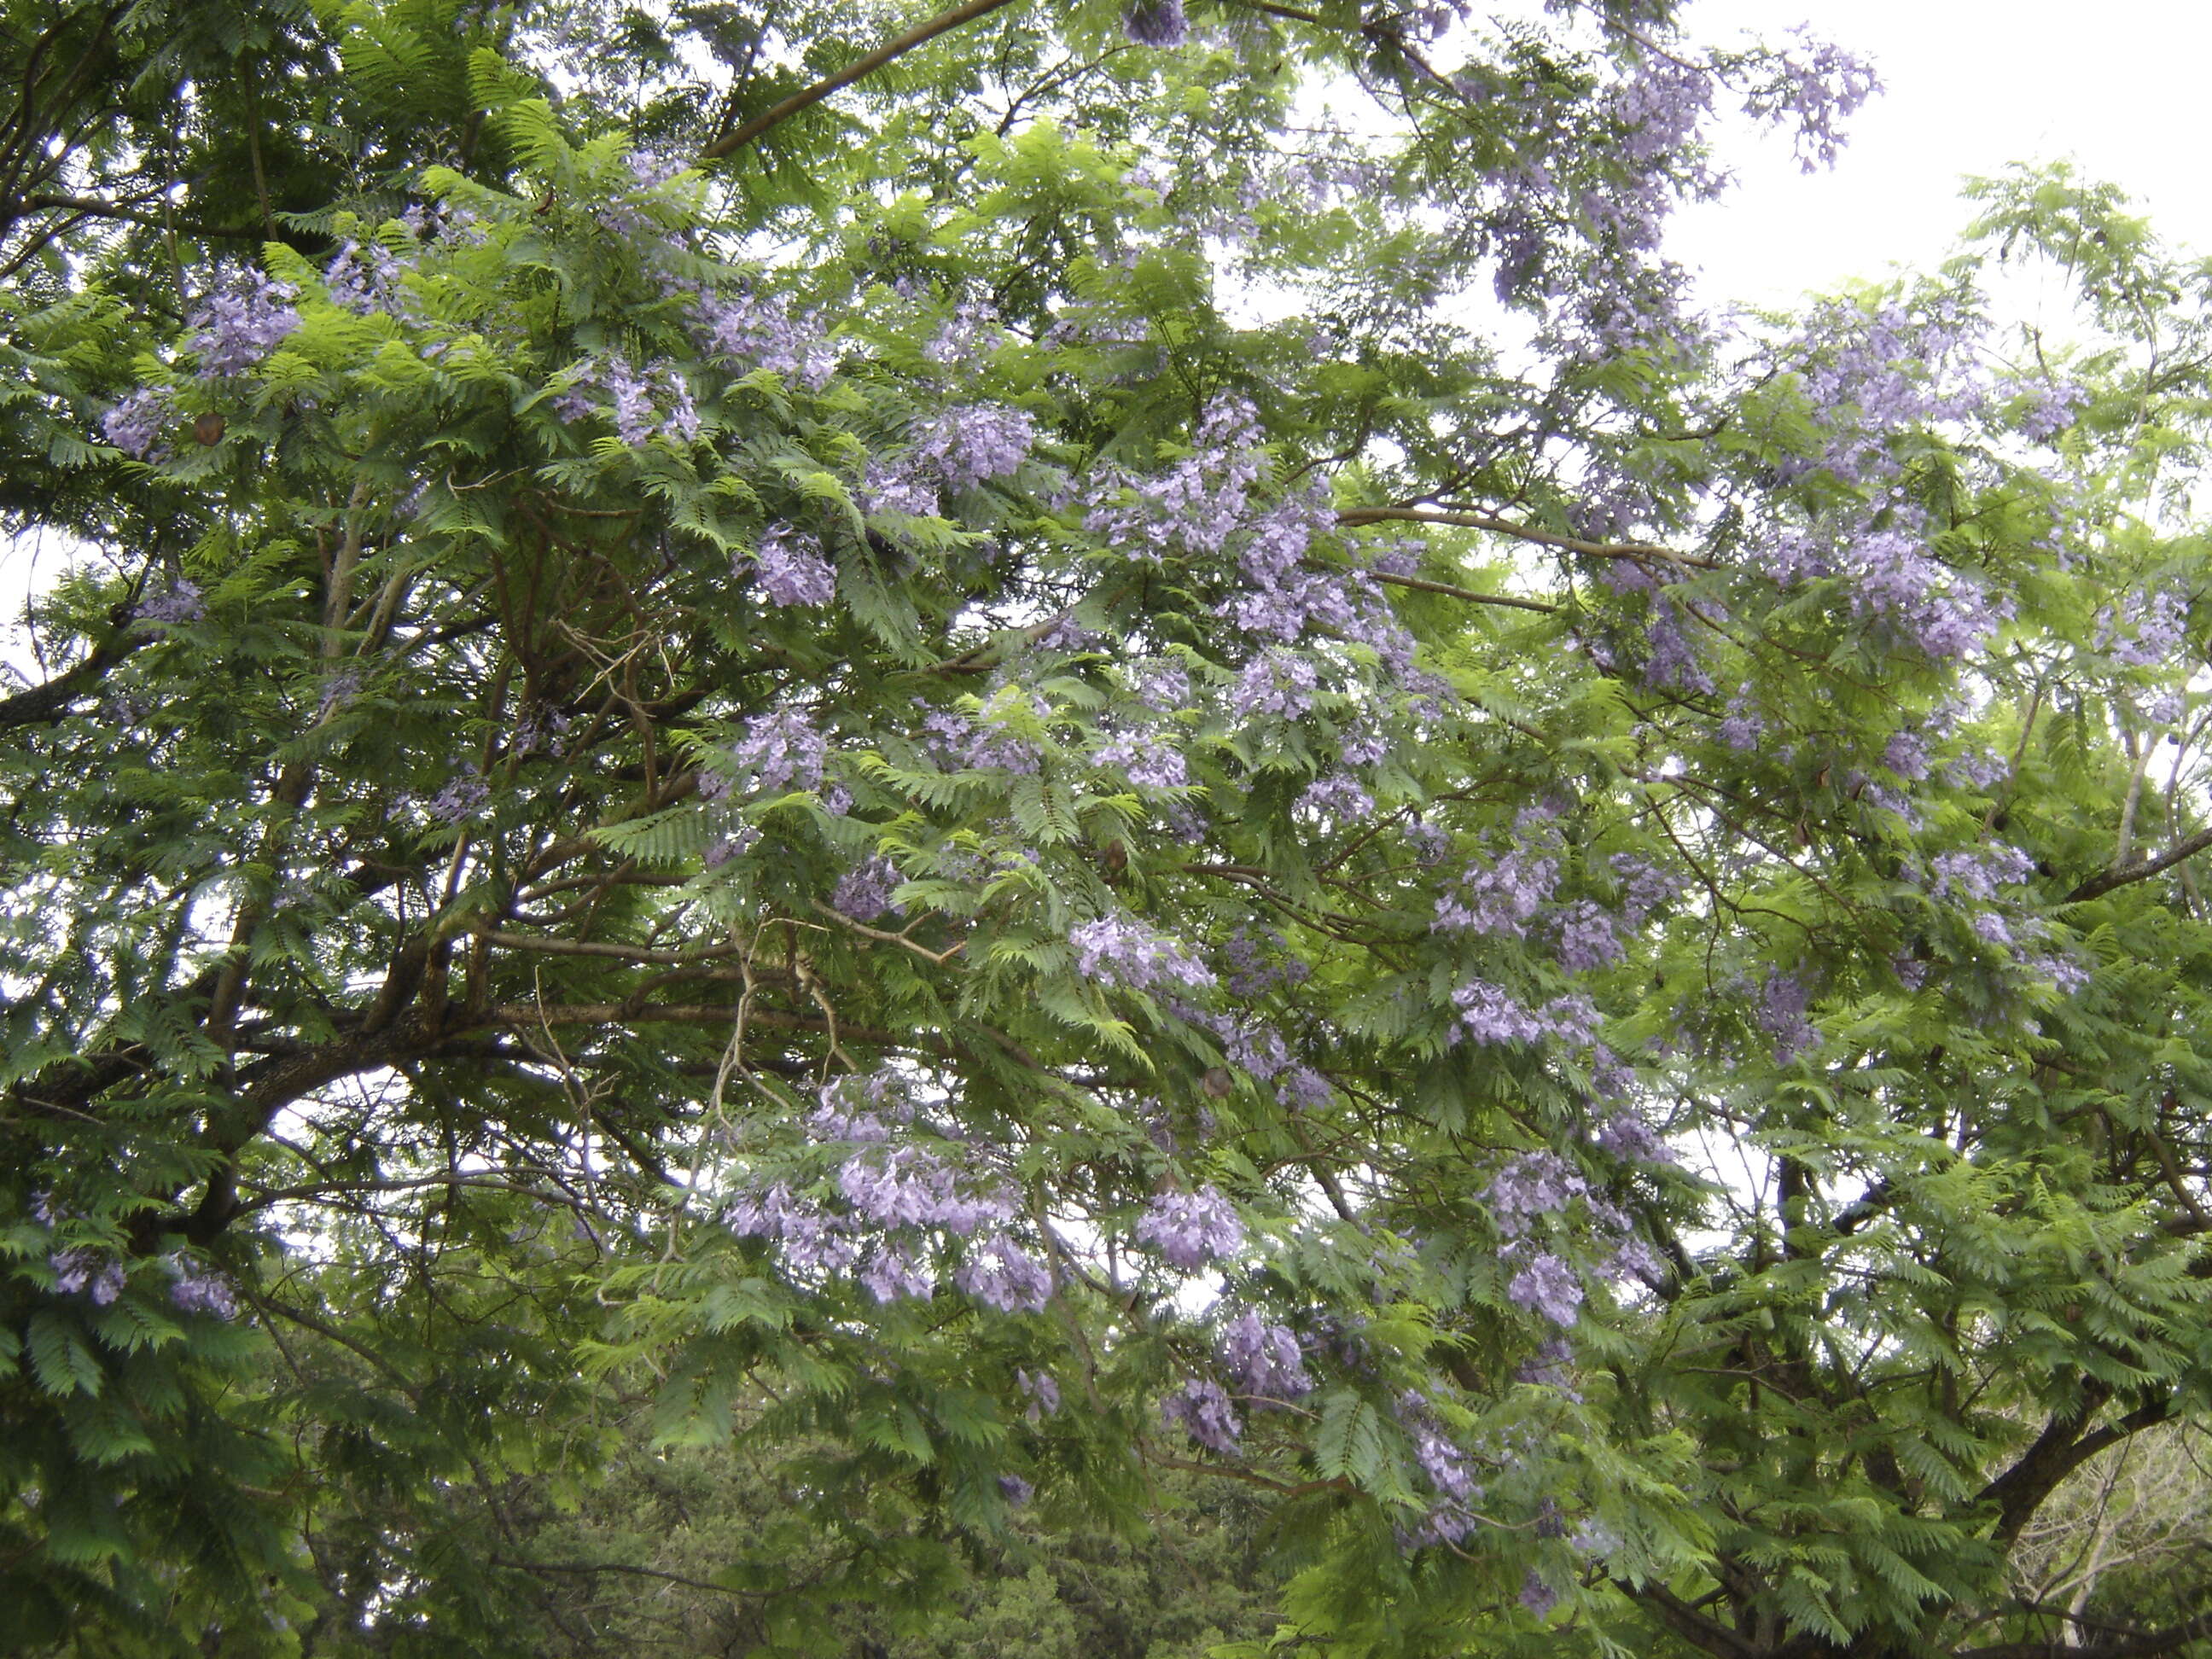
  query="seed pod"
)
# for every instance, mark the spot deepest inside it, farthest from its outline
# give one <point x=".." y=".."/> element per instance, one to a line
<point x="1217" y="1083"/>
<point x="208" y="428"/>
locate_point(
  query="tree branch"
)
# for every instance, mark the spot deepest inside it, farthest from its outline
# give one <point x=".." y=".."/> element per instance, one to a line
<point x="1639" y="551"/>
<point x="858" y="70"/>
<point x="2098" y="885"/>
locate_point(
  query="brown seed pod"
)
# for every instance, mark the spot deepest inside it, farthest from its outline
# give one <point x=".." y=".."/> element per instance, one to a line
<point x="209" y="429"/>
<point x="1217" y="1083"/>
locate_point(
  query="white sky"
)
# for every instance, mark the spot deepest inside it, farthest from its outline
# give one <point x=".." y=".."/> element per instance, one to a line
<point x="1971" y="86"/>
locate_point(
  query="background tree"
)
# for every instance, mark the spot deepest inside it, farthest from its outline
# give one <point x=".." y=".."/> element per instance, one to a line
<point x="1038" y="771"/>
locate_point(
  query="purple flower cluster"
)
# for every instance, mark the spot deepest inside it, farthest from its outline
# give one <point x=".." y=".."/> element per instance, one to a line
<point x="2147" y="630"/>
<point x="970" y="443"/>
<point x="1276" y="682"/>
<point x="1533" y="1184"/>
<point x="857" y="1108"/>
<point x="241" y="324"/>
<point x="1191" y="1229"/>
<point x="1488" y="1013"/>
<point x="1042" y="1393"/>
<point x="894" y="1269"/>
<point x="2052" y="410"/>
<point x="1500" y="897"/>
<point x="864" y="892"/>
<point x="1266" y="1359"/>
<point x="758" y="331"/>
<point x="1257" y="965"/>
<point x="789" y="567"/>
<point x="911" y="1187"/>
<point x="1974" y="874"/>
<point x="781" y="750"/>
<point x="1818" y="85"/>
<point x="193" y="1292"/>
<point x="813" y="1240"/>
<point x="1906" y="755"/>
<point x="1587" y="939"/>
<point x="1671" y="662"/>
<point x="1118" y="950"/>
<point x="81" y="1270"/>
<point x="1149" y="760"/>
<point x="1336" y="796"/>
<point x="636" y="398"/>
<point x="463" y="797"/>
<point x="1781" y="1013"/>
<point x="972" y="330"/>
<point x="134" y="426"/>
<point x="1000" y="1274"/>
<point x="1158" y="23"/>
<point x="364" y="277"/>
<point x="1872" y="372"/>
<point x="1548" y="1287"/>
<point x="1161" y="683"/>
<point x="1196" y="505"/>
<point x="1629" y="1137"/>
<point x="1201" y="1409"/>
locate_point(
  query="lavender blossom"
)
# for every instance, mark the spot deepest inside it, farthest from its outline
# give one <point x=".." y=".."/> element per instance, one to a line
<point x="463" y="797"/>
<point x="1488" y="1014"/>
<point x="1548" y="1285"/>
<point x="1158" y="23"/>
<point x="201" y="1293"/>
<point x="1782" y="1015"/>
<point x="1161" y="683"/>
<point x="1265" y="1358"/>
<point x="976" y="441"/>
<point x="1337" y="796"/>
<point x="781" y="751"/>
<point x="1191" y="1229"/>
<point x="1587" y="939"/>
<point x="864" y="892"/>
<point x="1118" y="950"/>
<point x="1275" y="682"/>
<point x="1819" y="85"/>
<point x="1001" y="1274"/>
<point x="789" y="567"/>
<point x="1629" y="1137"/>
<point x="912" y="1187"/>
<point x="134" y="426"/>
<point x="1202" y="1409"/>
<point x="1018" y="1491"/>
<point x="894" y="1271"/>
<point x="1533" y="1184"/>
<point x="760" y="331"/>
<point x="363" y="278"/>
<point x="85" y="1270"/>
<point x="1149" y="761"/>
<point x="241" y="324"/>
<point x="1539" y="1597"/>
<point x="1042" y="1392"/>
<point x="1499" y="899"/>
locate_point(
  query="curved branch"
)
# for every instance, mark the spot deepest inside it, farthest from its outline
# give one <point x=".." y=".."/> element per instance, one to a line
<point x="2097" y="886"/>
<point x="858" y="70"/>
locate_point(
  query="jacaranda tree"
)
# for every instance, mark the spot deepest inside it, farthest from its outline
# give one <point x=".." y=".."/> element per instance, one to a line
<point x="1011" y="755"/>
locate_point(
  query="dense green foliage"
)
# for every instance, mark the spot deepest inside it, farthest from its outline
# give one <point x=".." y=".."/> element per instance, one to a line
<point x="949" y="785"/>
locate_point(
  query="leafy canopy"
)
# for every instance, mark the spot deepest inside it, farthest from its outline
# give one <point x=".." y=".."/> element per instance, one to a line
<point x="1018" y="757"/>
